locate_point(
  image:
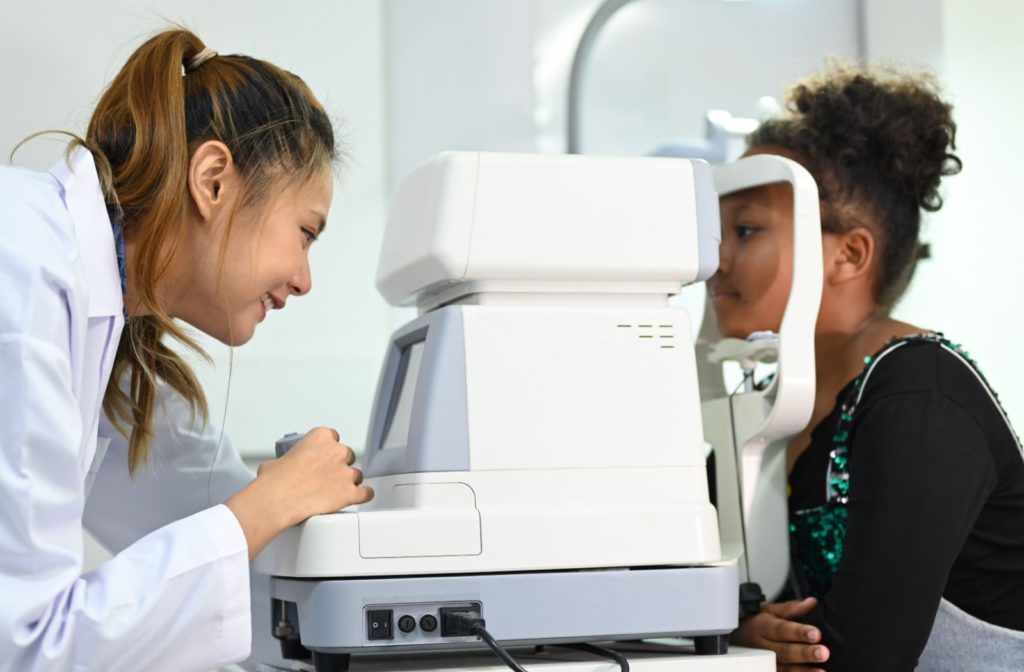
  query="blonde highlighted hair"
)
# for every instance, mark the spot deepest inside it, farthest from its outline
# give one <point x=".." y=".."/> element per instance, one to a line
<point x="142" y="134"/>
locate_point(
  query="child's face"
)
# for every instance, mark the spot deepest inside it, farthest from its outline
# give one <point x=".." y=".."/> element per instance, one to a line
<point x="266" y="260"/>
<point x="750" y="289"/>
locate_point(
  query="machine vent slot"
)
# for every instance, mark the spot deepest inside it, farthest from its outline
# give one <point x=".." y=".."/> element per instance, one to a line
<point x="648" y="333"/>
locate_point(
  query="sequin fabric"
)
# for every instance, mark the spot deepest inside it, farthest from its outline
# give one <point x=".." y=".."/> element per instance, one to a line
<point x="817" y="535"/>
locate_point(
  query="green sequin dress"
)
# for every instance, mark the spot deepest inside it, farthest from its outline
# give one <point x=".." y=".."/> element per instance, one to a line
<point x="817" y="534"/>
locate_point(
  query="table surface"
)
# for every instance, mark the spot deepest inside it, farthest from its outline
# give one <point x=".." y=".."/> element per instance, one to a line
<point x="650" y="656"/>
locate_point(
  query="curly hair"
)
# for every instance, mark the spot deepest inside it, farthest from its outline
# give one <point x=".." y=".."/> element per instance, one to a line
<point x="878" y="142"/>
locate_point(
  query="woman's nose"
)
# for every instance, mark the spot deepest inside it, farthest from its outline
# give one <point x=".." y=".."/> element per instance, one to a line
<point x="302" y="282"/>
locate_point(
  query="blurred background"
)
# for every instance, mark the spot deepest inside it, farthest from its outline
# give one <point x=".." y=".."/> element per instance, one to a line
<point x="407" y="78"/>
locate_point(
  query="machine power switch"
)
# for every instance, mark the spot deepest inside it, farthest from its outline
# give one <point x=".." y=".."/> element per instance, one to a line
<point x="378" y="624"/>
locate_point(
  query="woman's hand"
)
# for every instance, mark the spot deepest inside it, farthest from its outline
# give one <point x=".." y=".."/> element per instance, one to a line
<point x="316" y="476"/>
<point x="795" y="644"/>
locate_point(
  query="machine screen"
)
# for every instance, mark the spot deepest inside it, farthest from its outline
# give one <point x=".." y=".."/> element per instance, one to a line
<point x="396" y="433"/>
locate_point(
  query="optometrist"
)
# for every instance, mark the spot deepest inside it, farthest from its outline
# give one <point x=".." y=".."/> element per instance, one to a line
<point x="195" y="195"/>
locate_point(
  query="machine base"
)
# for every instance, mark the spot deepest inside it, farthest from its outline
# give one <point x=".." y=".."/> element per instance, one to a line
<point x="401" y="614"/>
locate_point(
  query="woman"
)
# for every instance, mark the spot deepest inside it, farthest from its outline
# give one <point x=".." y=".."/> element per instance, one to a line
<point x="907" y="487"/>
<point x="196" y="194"/>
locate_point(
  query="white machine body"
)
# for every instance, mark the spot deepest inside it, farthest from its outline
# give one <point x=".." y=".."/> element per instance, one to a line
<point x="576" y="454"/>
<point x="536" y="445"/>
<point x="498" y="224"/>
<point x="538" y="420"/>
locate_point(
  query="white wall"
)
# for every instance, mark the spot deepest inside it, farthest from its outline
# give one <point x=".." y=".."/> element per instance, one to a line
<point x="316" y="362"/>
<point x="498" y="70"/>
<point x="659" y="65"/>
<point x="970" y="288"/>
<point x="459" y="76"/>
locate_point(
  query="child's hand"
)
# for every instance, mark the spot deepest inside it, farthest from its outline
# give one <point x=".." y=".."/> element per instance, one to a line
<point x="776" y="628"/>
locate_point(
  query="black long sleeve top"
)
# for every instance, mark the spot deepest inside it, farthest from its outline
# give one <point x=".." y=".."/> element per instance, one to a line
<point x="936" y="509"/>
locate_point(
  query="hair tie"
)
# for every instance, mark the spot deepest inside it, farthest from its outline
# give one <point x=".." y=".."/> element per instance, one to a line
<point x="202" y="57"/>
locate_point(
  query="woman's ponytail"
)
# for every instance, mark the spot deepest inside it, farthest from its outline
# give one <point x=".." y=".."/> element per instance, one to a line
<point x="142" y="134"/>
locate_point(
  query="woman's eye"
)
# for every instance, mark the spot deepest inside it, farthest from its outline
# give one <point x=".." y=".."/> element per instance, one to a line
<point x="311" y="236"/>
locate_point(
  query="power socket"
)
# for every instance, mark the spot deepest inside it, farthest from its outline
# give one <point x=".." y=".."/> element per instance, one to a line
<point x="459" y="621"/>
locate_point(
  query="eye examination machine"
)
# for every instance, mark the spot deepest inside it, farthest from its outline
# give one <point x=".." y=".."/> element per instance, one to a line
<point x="536" y="445"/>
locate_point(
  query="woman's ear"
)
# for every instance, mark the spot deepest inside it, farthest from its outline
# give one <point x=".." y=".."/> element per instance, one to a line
<point x="211" y="176"/>
<point x="848" y="256"/>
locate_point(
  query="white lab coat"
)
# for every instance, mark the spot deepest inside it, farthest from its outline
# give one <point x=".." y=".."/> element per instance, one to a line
<point x="174" y="599"/>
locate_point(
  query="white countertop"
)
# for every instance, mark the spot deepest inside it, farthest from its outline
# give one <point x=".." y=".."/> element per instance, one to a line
<point x="658" y="656"/>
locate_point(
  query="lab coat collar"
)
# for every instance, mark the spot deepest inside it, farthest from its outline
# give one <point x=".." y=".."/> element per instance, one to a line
<point x="84" y="200"/>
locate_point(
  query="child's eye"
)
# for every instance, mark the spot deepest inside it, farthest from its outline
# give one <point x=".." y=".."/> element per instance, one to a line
<point x="743" y="231"/>
<point x="311" y="235"/>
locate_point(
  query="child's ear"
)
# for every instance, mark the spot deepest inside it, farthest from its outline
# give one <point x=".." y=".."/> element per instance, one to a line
<point x="848" y="256"/>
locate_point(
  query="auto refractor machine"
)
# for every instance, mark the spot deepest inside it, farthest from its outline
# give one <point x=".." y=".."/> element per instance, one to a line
<point x="536" y="445"/>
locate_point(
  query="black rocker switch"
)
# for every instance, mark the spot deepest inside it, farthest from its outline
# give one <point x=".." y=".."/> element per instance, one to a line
<point x="378" y="624"/>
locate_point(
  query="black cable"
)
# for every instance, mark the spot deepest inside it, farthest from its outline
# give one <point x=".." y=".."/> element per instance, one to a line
<point x="751" y="596"/>
<point x="603" y="652"/>
<point x="474" y="624"/>
<point x="739" y="475"/>
<point x="499" y="650"/>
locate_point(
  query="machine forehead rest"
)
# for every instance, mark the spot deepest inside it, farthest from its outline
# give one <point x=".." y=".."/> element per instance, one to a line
<point x="534" y="223"/>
